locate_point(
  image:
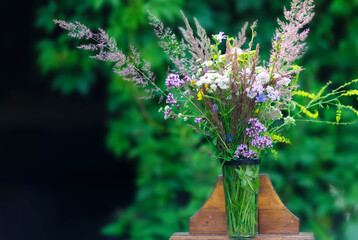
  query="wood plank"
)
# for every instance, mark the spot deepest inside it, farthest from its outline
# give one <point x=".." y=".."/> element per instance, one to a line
<point x="211" y="217"/>
<point x="274" y="217"/>
<point x="187" y="236"/>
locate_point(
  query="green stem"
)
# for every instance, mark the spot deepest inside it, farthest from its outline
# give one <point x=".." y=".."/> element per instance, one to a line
<point x="241" y="199"/>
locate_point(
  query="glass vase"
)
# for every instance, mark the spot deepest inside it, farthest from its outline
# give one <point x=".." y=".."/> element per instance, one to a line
<point x="241" y="188"/>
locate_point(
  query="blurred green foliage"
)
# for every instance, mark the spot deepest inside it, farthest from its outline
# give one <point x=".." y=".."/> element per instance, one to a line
<point x="174" y="172"/>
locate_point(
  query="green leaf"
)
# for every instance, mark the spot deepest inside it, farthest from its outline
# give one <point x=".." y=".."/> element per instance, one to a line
<point x="231" y="151"/>
<point x="243" y="182"/>
<point x="215" y="140"/>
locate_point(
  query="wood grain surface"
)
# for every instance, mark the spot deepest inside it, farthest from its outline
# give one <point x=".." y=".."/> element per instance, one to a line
<point x="274" y="217"/>
<point x="187" y="236"/>
<point x="275" y="221"/>
<point x="211" y="218"/>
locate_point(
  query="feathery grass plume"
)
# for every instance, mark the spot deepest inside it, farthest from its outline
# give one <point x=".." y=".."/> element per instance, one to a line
<point x="132" y="68"/>
<point x="106" y="46"/>
<point x="176" y="50"/>
<point x="75" y="29"/>
<point x="193" y="43"/>
<point x="204" y="42"/>
<point x="288" y="41"/>
<point x="242" y="35"/>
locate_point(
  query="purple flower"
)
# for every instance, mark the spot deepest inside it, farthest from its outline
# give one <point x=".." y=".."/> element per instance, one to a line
<point x="170" y="99"/>
<point x="167" y="112"/>
<point x="250" y="154"/>
<point x="220" y="36"/>
<point x="255" y="129"/>
<point x="261" y="142"/>
<point x="173" y="81"/>
<point x="229" y="138"/>
<point x="215" y="108"/>
<point x="273" y="94"/>
<point x="186" y="79"/>
<point x="256" y="88"/>
<point x="198" y="120"/>
<point x="242" y="150"/>
<point x="178" y="106"/>
<point x="261" y="98"/>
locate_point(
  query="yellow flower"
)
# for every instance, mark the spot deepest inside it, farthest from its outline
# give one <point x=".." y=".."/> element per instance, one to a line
<point x="350" y="93"/>
<point x="206" y="85"/>
<point x="303" y="94"/>
<point x="275" y="152"/>
<point x="192" y="82"/>
<point x="308" y="113"/>
<point x="350" y="108"/>
<point x="257" y="111"/>
<point x="200" y="95"/>
<point x="279" y="138"/>
<point x="338" y="115"/>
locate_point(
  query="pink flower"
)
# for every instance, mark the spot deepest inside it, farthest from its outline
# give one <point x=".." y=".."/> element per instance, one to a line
<point x="170" y="99"/>
<point x="173" y="81"/>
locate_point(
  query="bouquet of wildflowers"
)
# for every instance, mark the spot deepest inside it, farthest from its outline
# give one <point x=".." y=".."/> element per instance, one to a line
<point x="224" y="91"/>
<point x="220" y="86"/>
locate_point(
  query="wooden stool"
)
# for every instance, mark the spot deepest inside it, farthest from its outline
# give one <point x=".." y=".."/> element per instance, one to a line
<point x="275" y="221"/>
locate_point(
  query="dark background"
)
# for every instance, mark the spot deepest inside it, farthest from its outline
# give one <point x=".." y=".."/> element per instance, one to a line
<point x="57" y="179"/>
